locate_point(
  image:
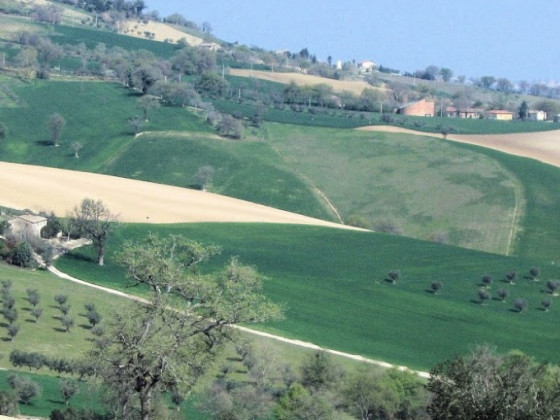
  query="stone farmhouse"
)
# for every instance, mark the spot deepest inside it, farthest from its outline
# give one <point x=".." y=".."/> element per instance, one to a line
<point x="27" y="226"/>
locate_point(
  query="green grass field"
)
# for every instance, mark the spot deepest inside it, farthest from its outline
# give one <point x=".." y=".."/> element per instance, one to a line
<point x="333" y="283"/>
<point x="48" y="336"/>
<point x="421" y="185"/>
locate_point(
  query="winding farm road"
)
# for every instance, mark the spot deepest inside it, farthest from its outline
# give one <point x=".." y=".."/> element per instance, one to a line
<point x="49" y="189"/>
<point x="297" y="343"/>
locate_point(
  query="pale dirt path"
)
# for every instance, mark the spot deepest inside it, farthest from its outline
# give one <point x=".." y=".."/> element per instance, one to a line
<point x="60" y="190"/>
<point x="297" y="343"/>
<point x="541" y="145"/>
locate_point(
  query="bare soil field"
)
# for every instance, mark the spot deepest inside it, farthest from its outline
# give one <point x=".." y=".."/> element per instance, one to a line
<point x="48" y="189"/>
<point x="161" y="30"/>
<point x="543" y="146"/>
<point x="299" y="79"/>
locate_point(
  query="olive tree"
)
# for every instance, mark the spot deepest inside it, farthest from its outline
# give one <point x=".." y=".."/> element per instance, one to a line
<point x="95" y="221"/>
<point x="168" y="342"/>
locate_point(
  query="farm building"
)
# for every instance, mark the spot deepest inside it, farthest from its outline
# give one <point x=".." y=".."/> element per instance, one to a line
<point x="536" y="116"/>
<point x="27" y="226"/>
<point x="499" y="114"/>
<point x="210" y="46"/>
<point x="367" y="65"/>
<point x="422" y="108"/>
<point x="454" y="112"/>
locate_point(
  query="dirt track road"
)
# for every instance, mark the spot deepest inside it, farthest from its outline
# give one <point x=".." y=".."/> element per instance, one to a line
<point x="40" y="188"/>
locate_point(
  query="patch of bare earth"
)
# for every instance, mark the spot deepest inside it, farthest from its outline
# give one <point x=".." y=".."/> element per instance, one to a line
<point x="542" y="145"/>
<point x="354" y="86"/>
<point x="161" y="31"/>
<point x="48" y="189"/>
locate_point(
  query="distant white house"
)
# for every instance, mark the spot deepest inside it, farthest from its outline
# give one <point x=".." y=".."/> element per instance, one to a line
<point x="367" y="65"/>
<point x="27" y="226"/>
<point x="536" y="115"/>
<point x="211" y="46"/>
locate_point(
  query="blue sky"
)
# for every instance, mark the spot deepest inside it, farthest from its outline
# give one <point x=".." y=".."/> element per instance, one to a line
<point x="516" y="39"/>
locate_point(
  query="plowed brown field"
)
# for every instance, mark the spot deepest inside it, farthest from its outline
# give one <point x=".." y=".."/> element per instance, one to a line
<point x="39" y="188"/>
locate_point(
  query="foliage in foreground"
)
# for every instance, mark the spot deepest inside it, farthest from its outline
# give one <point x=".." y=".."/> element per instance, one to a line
<point x="166" y="344"/>
<point x="484" y="385"/>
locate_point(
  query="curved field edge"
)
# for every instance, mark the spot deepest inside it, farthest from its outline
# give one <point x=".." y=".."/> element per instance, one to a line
<point x="248" y="170"/>
<point x="334" y="285"/>
<point x="419" y="186"/>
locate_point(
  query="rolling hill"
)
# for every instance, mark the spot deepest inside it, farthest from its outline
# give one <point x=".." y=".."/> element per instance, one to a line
<point x="442" y="210"/>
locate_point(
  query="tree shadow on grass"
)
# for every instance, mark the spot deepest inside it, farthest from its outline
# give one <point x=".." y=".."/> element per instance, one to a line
<point x="78" y="256"/>
<point x="56" y="402"/>
<point x="58" y="329"/>
<point x="85" y="326"/>
<point x="45" y="143"/>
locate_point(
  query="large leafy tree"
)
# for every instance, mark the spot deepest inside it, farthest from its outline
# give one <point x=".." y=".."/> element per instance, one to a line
<point x="165" y="344"/>
<point x="484" y="385"/>
<point x="95" y="221"/>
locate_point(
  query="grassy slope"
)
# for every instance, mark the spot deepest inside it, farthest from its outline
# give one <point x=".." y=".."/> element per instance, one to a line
<point x="246" y="170"/>
<point x="47" y="336"/>
<point x="338" y="297"/>
<point x="362" y="173"/>
<point x="420" y="184"/>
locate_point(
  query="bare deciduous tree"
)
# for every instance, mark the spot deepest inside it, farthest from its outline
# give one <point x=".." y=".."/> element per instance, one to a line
<point x="56" y="125"/>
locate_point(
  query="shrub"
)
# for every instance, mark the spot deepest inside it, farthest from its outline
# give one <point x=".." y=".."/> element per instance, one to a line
<point x="483" y="296"/>
<point x="387" y="226"/>
<point x="394" y="275"/>
<point x="93" y="317"/>
<point x="61" y="299"/>
<point x="71" y="413"/>
<point x="511" y="276"/>
<point x="33" y="296"/>
<point x="8" y="403"/>
<point x="22" y="254"/>
<point x="24" y="387"/>
<point x="534" y="272"/>
<point x="503" y="294"/>
<point x="13" y="330"/>
<point x="520" y="304"/>
<point x="436" y="286"/>
<point x="387" y="118"/>
<point x="487" y="280"/>
<point x="553" y="286"/>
